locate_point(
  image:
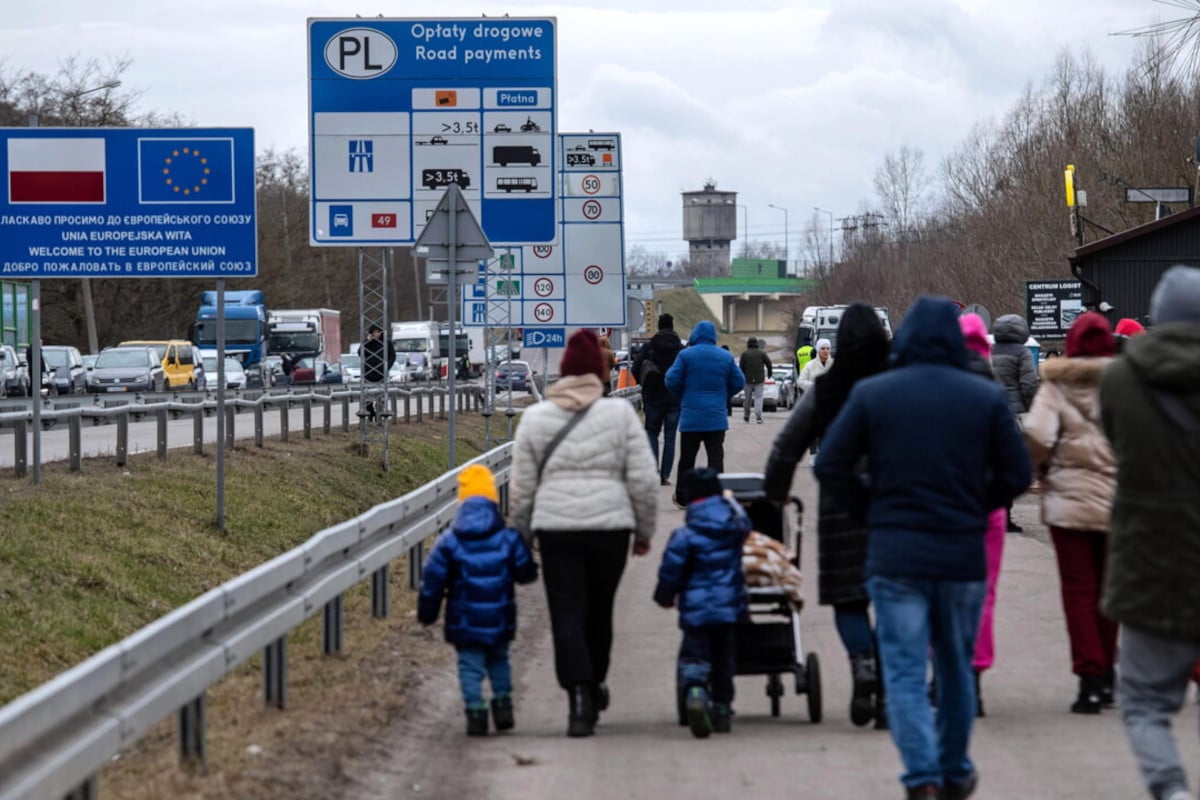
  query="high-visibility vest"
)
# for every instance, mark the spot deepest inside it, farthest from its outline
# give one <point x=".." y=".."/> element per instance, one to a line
<point x="803" y="356"/>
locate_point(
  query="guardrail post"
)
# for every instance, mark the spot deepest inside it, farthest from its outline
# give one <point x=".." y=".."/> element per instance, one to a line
<point x="381" y="604"/>
<point x="327" y="407"/>
<point x="161" y="414"/>
<point x="20" y="448"/>
<point x="420" y="406"/>
<point x="191" y="730"/>
<point x="230" y="434"/>
<point x="346" y="413"/>
<point x="198" y="430"/>
<point x="258" y="424"/>
<point x="275" y="673"/>
<point x="122" y="438"/>
<point x="283" y="421"/>
<point x="416" y="559"/>
<point x="85" y="791"/>
<point x="306" y="406"/>
<point x="332" y="626"/>
<point x="74" y="440"/>
<point x="443" y="400"/>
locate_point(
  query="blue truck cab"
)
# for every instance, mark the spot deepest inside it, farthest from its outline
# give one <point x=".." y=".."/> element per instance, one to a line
<point x="246" y="332"/>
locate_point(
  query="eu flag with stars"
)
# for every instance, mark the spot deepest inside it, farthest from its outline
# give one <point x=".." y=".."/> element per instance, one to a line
<point x="185" y="170"/>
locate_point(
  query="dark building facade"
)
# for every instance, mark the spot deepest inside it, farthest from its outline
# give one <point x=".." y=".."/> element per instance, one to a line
<point x="1122" y="270"/>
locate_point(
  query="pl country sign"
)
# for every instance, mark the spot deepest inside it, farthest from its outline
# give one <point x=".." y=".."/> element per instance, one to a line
<point x="127" y="203"/>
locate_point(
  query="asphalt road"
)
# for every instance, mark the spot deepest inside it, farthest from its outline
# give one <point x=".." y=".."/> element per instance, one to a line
<point x="1028" y="746"/>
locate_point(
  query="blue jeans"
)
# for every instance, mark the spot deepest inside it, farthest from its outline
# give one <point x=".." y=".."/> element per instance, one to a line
<point x="911" y="617"/>
<point x="666" y="419"/>
<point x="476" y="662"/>
<point x="707" y="657"/>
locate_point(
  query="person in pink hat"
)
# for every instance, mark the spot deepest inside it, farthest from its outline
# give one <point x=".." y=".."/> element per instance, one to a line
<point x="979" y="361"/>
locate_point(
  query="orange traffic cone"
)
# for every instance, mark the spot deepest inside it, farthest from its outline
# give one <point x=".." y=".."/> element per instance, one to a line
<point x="623" y="379"/>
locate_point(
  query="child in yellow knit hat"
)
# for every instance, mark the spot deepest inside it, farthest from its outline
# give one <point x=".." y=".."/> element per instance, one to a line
<point x="474" y="566"/>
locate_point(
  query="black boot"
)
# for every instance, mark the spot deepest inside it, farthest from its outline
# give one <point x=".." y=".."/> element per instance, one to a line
<point x="1107" y="696"/>
<point x="599" y="700"/>
<point x="866" y="685"/>
<point x="502" y="713"/>
<point x="978" y="695"/>
<point x="1088" y="701"/>
<point x="582" y="718"/>
<point x="477" y="721"/>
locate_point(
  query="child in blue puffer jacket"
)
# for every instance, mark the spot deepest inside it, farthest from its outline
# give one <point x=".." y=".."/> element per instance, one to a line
<point x="702" y="566"/>
<point x="474" y="565"/>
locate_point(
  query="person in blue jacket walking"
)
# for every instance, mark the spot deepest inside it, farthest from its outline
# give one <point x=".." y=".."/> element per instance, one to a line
<point x="703" y="378"/>
<point x="702" y="566"/>
<point x="474" y="565"/>
<point x="942" y="450"/>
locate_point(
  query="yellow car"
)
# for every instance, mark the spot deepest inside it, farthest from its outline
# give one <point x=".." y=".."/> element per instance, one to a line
<point x="179" y="360"/>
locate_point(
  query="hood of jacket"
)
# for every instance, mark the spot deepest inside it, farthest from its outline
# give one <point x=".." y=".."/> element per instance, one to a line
<point x="1079" y="380"/>
<point x="1166" y="357"/>
<point x="477" y="518"/>
<point x="717" y="517"/>
<point x="704" y="333"/>
<point x="573" y="392"/>
<point x="930" y="335"/>
<point x="1011" y="328"/>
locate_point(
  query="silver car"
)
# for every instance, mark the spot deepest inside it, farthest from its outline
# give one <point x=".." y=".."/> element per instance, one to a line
<point x="14" y="374"/>
<point x="127" y="369"/>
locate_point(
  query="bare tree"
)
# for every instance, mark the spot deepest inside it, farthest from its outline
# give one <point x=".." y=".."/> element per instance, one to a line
<point x="901" y="183"/>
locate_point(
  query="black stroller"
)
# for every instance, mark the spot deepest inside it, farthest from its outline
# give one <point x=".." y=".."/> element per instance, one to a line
<point x="770" y="644"/>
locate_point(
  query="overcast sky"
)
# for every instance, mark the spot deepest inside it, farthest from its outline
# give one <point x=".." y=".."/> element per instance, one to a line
<point x="787" y="102"/>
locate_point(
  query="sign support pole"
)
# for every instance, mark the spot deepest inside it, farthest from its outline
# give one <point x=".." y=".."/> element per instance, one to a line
<point x="451" y="367"/>
<point x="35" y="378"/>
<point x="221" y="404"/>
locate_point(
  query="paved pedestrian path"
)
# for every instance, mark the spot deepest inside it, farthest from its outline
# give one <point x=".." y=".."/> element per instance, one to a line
<point x="1029" y="747"/>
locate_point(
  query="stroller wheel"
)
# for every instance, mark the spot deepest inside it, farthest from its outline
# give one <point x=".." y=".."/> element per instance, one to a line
<point x="774" y="691"/>
<point x="812" y="680"/>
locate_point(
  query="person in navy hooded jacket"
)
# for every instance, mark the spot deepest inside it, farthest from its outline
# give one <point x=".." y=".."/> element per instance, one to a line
<point x="474" y="565"/>
<point x="703" y="378"/>
<point x="943" y="449"/>
<point x="702" y="566"/>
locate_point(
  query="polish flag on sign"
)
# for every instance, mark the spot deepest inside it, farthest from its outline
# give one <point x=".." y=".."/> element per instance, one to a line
<point x="50" y="170"/>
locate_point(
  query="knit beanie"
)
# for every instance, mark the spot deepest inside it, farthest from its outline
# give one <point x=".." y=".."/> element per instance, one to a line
<point x="583" y="357"/>
<point x="975" y="334"/>
<point x="477" y="481"/>
<point x="1129" y="327"/>
<point x="666" y="322"/>
<point x="822" y="343"/>
<point x="1090" y="336"/>
<point x="1176" y="298"/>
<point x="697" y="484"/>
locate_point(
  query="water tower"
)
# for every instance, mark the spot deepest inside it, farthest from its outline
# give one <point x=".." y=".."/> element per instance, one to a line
<point x="709" y="226"/>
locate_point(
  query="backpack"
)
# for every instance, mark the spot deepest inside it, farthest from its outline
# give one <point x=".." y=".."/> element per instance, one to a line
<point x="650" y="373"/>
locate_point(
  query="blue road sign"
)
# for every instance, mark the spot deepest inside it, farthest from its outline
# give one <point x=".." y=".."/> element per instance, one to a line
<point x="127" y="203"/>
<point x="402" y="108"/>
<point x="545" y="337"/>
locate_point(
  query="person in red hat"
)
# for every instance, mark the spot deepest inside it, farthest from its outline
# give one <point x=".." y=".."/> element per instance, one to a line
<point x="584" y="483"/>
<point x="1127" y="329"/>
<point x="1078" y="477"/>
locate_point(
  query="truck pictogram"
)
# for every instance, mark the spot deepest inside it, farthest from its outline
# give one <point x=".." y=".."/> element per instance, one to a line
<point x="506" y="154"/>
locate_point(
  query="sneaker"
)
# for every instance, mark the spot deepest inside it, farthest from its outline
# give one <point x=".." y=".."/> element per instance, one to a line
<point x="698" y="716"/>
<point x="502" y="713"/>
<point x="722" y="718"/>
<point x="746" y="419"/>
<point x="760" y="420"/>
<point x="1088" y="701"/>
<point x="1178" y="794"/>
<point x="866" y="682"/>
<point x="663" y="482"/>
<point x="477" y="721"/>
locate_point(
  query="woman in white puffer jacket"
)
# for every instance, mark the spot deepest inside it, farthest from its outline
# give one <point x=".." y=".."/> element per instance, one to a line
<point x="596" y="491"/>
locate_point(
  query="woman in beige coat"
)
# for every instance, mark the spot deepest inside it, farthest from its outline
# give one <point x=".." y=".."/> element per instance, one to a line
<point x="1078" y="478"/>
<point x="595" y="492"/>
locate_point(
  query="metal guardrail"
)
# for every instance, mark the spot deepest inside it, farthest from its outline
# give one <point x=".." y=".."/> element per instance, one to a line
<point x="55" y="738"/>
<point x="406" y="404"/>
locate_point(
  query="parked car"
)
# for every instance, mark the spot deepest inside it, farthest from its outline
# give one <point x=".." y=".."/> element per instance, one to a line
<point x="785" y="377"/>
<point x="235" y="376"/>
<point x="178" y="360"/>
<point x="63" y="366"/>
<point x="332" y="374"/>
<point x="305" y="372"/>
<point x="772" y="390"/>
<point x="276" y="365"/>
<point x="14" y="373"/>
<point x="127" y="369"/>
<point x="515" y="375"/>
<point x="351" y="368"/>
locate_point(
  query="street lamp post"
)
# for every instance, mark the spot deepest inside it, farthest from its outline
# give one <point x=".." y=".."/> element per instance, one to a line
<point x="89" y="309"/>
<point x="830" y="213"/>
<point x="785" y="233"/>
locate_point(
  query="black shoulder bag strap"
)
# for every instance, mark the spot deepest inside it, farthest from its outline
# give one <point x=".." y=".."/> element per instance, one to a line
<point x="558" y="437"/>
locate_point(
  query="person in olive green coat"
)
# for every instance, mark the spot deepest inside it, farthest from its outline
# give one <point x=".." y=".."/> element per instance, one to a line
<point x="1150" y="409"/>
